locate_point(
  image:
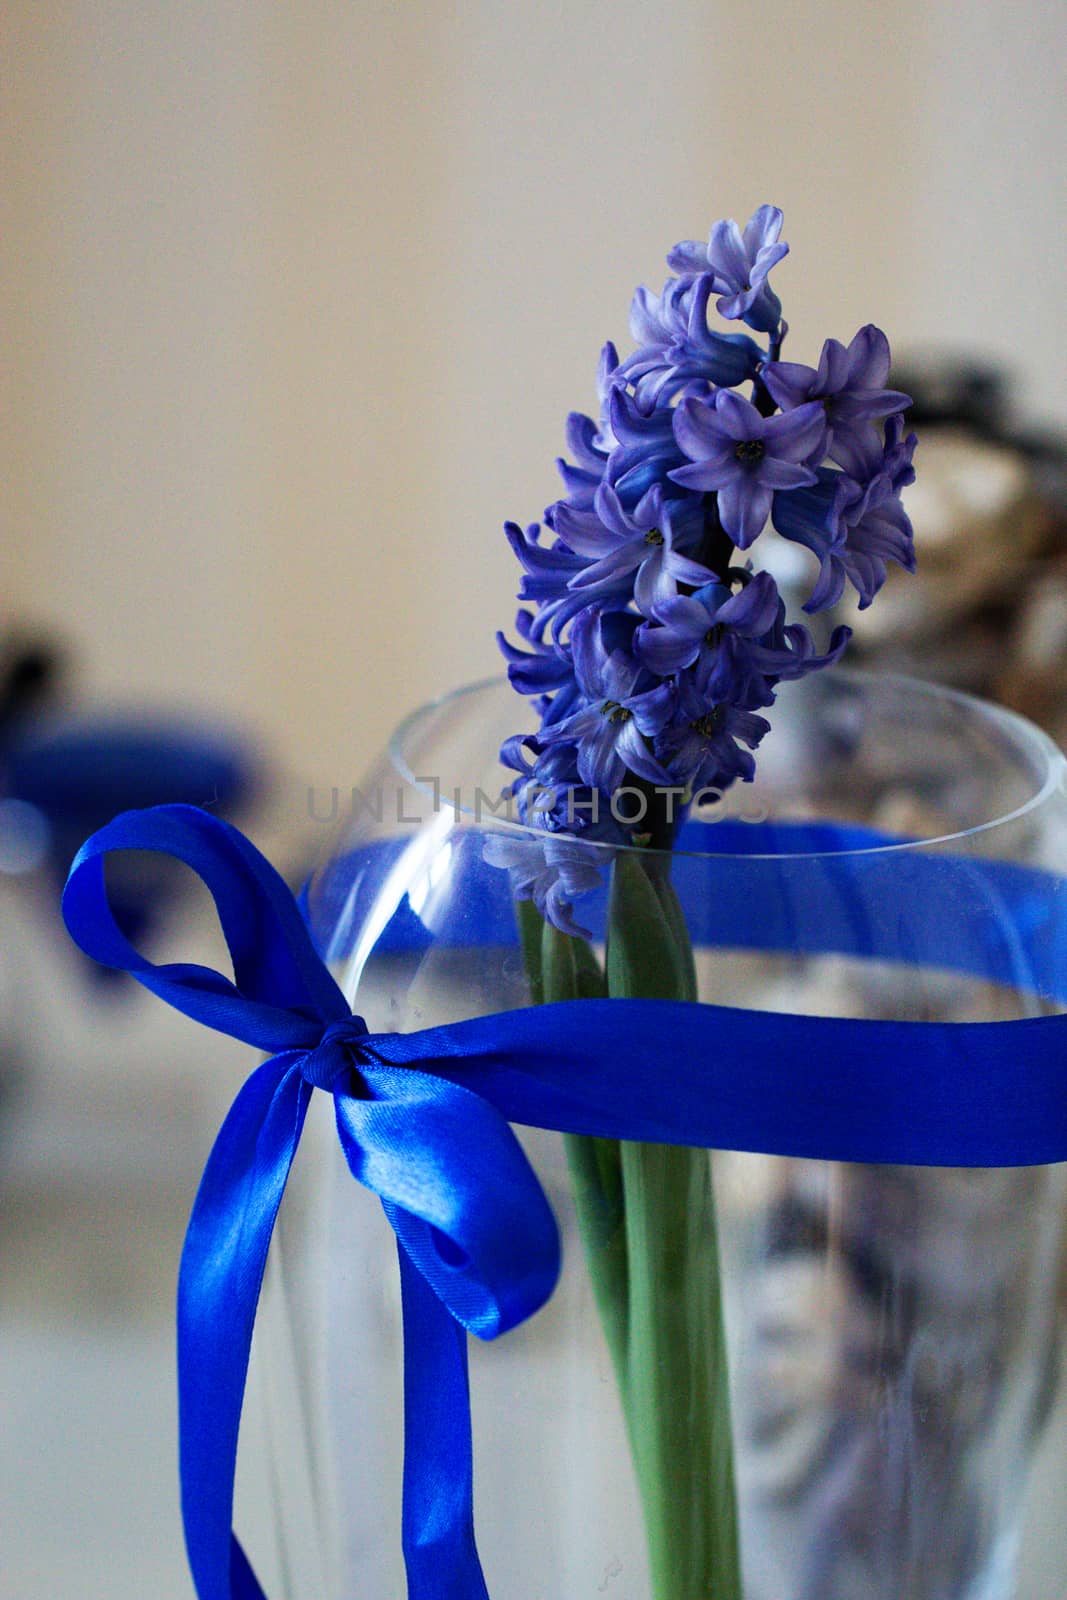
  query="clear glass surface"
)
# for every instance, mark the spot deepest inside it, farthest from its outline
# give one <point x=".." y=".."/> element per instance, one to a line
<point x="892" y="1331"/>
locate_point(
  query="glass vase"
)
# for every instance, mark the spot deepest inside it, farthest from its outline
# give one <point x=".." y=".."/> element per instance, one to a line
<point x="891" y="1331"/>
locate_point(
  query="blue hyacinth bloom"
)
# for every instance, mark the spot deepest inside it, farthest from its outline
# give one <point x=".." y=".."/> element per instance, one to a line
<point x="707" y="743"/>
<point x="678" y="350"/>
<point x="645" y="648"/>
<point x="622" y="709"/>
<point x="744" y="456"/>
<point x="739" y="264"/>
<point x="850" y="383"/>
<point x="638" y="553"/>
<point x="589" y="442"/>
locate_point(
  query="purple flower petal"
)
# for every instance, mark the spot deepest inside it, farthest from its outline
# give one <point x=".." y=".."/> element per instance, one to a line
<point x="699" y="432"/>
<point x="738" y="417"/>
<point x="753" y="609"/>
<point x="796" y="435"/>
<point x="868" y="358"/>
<point x="623" y="559"/>
<point x="688" y="256"/>
<point x="788" y="383"/>
<point x="744" y="506"/>
<point x="582" y="531"/>
<point x="637" y="756"/>
<point x="703" y="474"/>
<point x="666" y="650"/>
<point x="761" y="236"/>
<point x="598" y="763"/>
<point x="728" y="258"/>
<point x="651" y="709"/>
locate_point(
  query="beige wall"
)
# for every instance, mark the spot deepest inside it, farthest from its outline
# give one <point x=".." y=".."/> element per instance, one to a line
<point x="299" y="294"/>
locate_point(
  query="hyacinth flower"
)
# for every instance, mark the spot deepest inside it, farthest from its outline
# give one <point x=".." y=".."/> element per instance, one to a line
<point x="653" y="646"/>
<point x="590" y="442"/>
<point x="707" y="623"/>
<point x="854" y="526"/>
<point x="549" y="569"/>
<point x="739" y="263"/>
<point x="677" y="348"/>
<point x="709" y="744"/>
<point x="741" y="641"/>
<point x="745" y="456"/>
<point x="556" y="871"/>
<point x="540" y="670"/>
<point x="616" y="716"/>
<point x="642" y="549"/>
<point x="850" y="384"/>
<point x="645" y="451"/>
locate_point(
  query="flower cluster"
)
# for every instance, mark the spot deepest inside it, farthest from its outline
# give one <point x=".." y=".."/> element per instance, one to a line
<point x="650" y="641"/>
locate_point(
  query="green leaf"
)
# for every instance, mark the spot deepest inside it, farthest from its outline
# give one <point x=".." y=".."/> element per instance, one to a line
<point x="675" y="918"/>
<point x="646" y="1214"/>
<point x="675" y="1387"/>
<point x="643" y="958"/>
<point x="530" y="931"/>
<point x="569" y="968"/>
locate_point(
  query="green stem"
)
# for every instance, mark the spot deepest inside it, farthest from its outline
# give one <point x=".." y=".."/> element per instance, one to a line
<point x="562" y="968"/>
<point x="678" y="1403"/>
<point x="646" y="1214"/>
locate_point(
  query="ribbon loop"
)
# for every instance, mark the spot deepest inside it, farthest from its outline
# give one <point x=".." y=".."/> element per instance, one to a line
<point x="281" y="994"/>
<point x="459" y="1192"/>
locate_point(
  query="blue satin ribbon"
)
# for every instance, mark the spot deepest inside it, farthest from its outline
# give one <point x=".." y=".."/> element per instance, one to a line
<point x="423" y="1120"/>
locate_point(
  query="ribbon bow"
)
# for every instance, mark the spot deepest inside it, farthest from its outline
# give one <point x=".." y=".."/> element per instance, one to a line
<point x="423" y="1119"/>
<point x="478" y="1245"/>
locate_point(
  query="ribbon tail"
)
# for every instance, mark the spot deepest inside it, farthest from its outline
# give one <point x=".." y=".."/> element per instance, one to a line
<point x="438" y="1520"/>
<point x="223" y="1259"/>
<point x="244" y="1584"/>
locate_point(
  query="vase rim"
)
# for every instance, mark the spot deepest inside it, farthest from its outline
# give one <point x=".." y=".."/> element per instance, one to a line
<point x="1026" y="736"/>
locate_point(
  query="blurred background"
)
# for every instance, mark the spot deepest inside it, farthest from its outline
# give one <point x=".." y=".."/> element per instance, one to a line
<point x="296" y="298"/>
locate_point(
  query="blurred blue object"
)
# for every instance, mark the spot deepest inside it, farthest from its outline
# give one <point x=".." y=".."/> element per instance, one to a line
<point x="88" y="768"/>
<point x="66" y="778"/>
